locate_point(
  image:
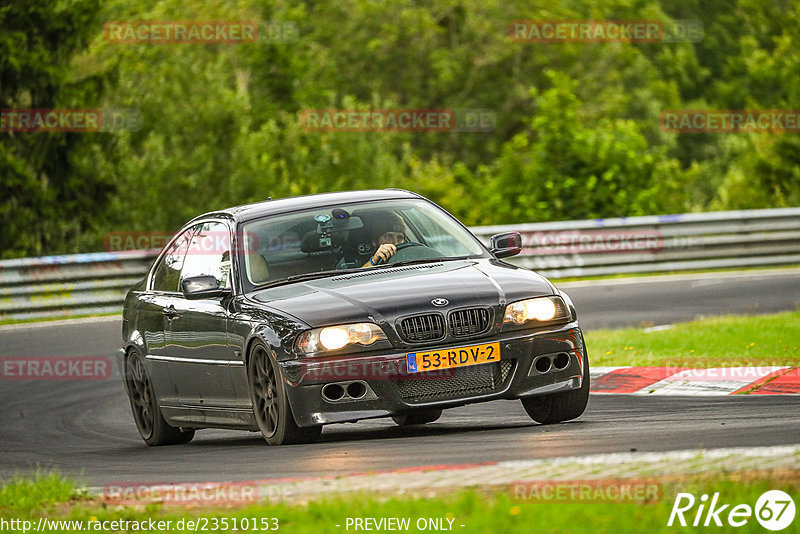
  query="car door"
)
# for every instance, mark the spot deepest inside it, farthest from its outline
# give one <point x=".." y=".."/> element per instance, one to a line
<point x="199" y="347"/>
<point x="155" y="310"/>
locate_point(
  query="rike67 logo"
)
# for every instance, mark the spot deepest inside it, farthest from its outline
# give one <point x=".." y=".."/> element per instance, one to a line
<point x="774" y="510"/>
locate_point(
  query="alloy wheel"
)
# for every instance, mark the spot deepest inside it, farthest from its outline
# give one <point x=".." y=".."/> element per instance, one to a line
<point x="265" y="389"/>
<point x="141" y="399"/>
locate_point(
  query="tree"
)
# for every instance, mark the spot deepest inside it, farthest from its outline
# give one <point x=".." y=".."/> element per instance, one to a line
<point x="43" y="202"/>
<point x="566" y="167"/>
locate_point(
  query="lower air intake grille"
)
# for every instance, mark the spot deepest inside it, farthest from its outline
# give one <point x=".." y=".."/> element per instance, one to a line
<point x="460" y="382"/>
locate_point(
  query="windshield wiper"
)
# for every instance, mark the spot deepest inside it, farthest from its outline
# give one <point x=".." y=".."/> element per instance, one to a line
<point x="422" y="260"/>
<point x="308" y="276"/>
<point x="336" y="272"/>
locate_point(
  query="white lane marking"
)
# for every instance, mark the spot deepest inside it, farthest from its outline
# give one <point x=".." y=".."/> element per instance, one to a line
<point x="62" y="322"/>
<point x="658" y="328"/>
<point x="654" y="279"/>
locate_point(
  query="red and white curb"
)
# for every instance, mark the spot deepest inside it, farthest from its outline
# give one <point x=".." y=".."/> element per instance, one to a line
<point x="427" y="481"/>
<point x="768" y="380"/>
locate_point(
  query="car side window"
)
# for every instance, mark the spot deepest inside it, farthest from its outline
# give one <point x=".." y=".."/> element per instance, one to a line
<point x="165" y="275"/>
<point x="209" y="253"/>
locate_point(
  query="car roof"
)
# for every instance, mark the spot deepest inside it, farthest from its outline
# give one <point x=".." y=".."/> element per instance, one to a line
<point x="284" y="205"/>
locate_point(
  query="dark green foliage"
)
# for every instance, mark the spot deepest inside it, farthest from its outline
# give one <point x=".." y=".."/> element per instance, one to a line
<point x="577" y="124"/>
<point x="46" y="202"/>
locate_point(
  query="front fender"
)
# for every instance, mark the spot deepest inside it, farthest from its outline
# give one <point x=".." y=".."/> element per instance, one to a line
<point x="570" y="306"/>
<point x="135" y="341"/>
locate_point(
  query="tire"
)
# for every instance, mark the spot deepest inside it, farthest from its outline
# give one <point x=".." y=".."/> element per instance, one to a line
<point x="155" y="431"/>
<point x="417" y="418"/>
<point x="558" y="407"/>
<point x="270" y="402"/>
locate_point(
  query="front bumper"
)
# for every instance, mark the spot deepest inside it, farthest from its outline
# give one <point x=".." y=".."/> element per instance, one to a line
<point x="388" y="388"/>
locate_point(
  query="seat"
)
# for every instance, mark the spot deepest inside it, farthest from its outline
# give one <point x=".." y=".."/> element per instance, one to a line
<point x="257" y="269"/>
<point x="358" y="248"/>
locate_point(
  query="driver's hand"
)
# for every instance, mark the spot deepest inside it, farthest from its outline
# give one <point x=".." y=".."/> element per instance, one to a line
<point x="383" y="253"/>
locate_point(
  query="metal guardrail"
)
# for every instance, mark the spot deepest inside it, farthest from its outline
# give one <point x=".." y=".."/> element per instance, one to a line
<point x="96" y="283"/>
<point x="54" y="286"/>
<point x="658" y="243"/>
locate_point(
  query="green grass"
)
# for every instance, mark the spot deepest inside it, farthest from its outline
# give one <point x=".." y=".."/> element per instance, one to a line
<point x="731" y="340"/>
<point x="480" y="511"/>
<point x="39" y="492"/>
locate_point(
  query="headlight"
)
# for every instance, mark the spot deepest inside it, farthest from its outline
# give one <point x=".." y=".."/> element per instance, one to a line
<point x="338" y="337"/>
<point x="541" y="309"/>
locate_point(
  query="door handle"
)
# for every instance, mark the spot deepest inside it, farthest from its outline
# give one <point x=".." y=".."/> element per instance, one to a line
<point x="170" y="312"/>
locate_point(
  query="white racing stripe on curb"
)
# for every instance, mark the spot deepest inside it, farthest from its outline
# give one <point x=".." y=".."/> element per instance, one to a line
<point x="713" y="381"/>
<point x="678" y="381"/>
<point x="595" y="467"/>
<point x="782" y="453"/>
<point x="597" y="372"/>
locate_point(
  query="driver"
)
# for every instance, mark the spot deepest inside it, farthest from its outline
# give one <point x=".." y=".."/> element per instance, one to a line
<point x="387" y="232"/>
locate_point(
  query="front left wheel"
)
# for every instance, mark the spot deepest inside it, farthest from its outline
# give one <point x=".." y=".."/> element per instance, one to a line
<point x="564" y="406"/>
<point x="270" y="402"/>
<point x="419" y="417"/>
<point x="146" y="413"/>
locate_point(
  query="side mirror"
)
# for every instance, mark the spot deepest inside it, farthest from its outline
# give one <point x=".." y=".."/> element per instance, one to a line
<point x="202" y="287"/>
<point x="506" y="245"/>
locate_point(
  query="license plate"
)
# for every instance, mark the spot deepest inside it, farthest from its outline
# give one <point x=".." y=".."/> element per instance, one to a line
<point x="432" y="360"/>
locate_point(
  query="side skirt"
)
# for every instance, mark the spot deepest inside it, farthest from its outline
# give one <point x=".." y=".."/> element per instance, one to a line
<point x="210" y="417"/>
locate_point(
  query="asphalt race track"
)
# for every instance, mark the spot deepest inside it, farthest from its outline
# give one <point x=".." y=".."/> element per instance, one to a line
<point x="672" y="299"/>
<point x="86" y="429"/>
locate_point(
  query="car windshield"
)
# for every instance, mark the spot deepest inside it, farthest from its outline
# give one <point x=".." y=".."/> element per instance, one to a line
<point x="317" y="241"/>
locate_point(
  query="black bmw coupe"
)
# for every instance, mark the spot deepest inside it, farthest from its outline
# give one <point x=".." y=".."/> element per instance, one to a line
<point x="286" y="315"/>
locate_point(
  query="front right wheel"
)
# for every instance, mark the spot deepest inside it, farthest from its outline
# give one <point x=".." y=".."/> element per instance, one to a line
<point x="270" y="402"/>
<point x="564" y="406"/>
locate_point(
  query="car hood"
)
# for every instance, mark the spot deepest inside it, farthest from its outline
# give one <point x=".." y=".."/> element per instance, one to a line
<point x="385" y="294"/>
